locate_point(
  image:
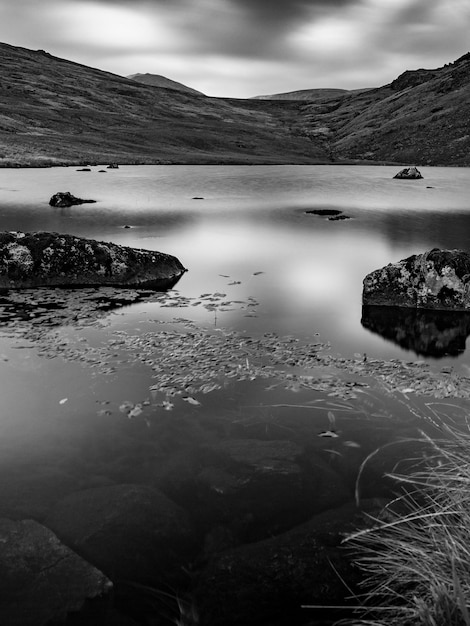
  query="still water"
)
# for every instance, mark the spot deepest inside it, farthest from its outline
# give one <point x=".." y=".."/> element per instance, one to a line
<point x="83" y="417"/>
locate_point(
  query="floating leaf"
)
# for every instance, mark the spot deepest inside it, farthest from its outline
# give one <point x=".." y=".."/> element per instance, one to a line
<point x="135" y="412"/>
<point x="191" y="400"/>
<point x="63" y="401"/>
<point x="328" y="433"/>
<point x="351" y="444"/>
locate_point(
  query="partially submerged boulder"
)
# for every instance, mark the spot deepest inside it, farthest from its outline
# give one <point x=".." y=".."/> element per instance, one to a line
<point x="65" y="199"/>
<point x="438" y="279"/>
<point x="46" y="259"/>
<point x="409" y="172"/>
<point x="41" y="580"/>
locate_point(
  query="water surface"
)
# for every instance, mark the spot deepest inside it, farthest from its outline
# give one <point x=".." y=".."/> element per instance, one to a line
<point x="71" y="384"/>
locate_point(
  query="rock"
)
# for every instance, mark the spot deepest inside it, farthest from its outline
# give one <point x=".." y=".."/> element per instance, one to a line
<point x="268" y="581"/>
<point x="409" y="172"/>
<point x="65" y="199"/>
<point x="336" y="218"/>
<point x="41" y="580"/>
<point x="51" y="259"/>
<point x="428" y="333"/>
<point x="84" y="169"/>
<point x="258" y="488"/>
<point x="438" y="279"/>
<point x="131" y="532"/>
<point x="324" y="212"/>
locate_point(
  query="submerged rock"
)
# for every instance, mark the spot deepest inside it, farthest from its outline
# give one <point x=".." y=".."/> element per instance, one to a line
<point x="409" y="172"/>
<point x="65" y="199"/>
<point x="41" y="580"/>
<point x="267" y="582"/>
<point x="438" y="279"/>
<point x="46" y="259"/>
<point x="131" y="532"/>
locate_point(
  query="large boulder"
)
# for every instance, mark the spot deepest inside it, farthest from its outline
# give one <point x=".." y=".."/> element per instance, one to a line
<point x="41" y="580"/>
<point x="46" y="259"/>
<point x="130" y="532"/>
<point x="65" y="199"/>
<point x="438" y="279"/>
<point x="409" y="173"/>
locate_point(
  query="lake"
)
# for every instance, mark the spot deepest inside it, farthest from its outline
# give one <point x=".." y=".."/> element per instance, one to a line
<point x="175" y="390"/>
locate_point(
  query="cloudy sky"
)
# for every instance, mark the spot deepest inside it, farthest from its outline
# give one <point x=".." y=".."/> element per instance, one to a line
<point x="242" y="48"/>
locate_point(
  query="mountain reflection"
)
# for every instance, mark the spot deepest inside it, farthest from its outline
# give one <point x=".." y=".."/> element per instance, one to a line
<point x="427" y="333"/>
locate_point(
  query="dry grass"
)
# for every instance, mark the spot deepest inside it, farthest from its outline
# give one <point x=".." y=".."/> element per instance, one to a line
<point x="416" y="558"/>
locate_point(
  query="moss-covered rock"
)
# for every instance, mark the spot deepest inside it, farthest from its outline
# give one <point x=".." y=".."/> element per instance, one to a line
<point x="52" y="259"/>
<point x="438" y="279"/>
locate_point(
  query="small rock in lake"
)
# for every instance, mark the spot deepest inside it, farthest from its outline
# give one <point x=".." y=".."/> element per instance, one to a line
<point x="324" y="212"/>
<point x="335" y="218"/>
<point x="84" y="169"/>
<point x="409" y="173"/>
<point x="65" y="199"/>
<point x="197" y="198"/>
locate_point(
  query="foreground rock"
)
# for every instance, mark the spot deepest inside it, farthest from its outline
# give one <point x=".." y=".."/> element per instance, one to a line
<point x="41" y="580"/>
<point x="50" y="259"/>
<point x="439" y="279"/>
<point x="131" y="532"/>
<point x="65" y="199"/>
<point x="409" y="172"/>
<point x="268" y="582"/>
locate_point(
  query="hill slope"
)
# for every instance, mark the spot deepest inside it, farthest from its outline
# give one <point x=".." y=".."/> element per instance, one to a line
<point x="421" y="117"/>
<point x="161" y="81"/>
<point x="57" y="111"/>
<point x="309" y="94"/>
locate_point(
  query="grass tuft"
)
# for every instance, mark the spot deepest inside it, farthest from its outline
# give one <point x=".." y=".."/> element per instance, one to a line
<point x="416" y="557"/>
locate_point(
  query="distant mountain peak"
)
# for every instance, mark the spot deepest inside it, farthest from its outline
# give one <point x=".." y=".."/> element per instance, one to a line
<point x="156" y="80"/>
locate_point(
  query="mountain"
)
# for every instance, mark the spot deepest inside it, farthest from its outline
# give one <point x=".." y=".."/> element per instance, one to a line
<point x="161" y="81"/>
<point x="309" y="94"/>
<point x="54" y="111"/>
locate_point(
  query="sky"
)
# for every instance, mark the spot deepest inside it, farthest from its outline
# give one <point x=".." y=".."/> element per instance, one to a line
<point x="244" y="48"/>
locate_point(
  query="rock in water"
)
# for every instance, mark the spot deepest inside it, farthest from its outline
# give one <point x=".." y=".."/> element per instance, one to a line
<point x="409" y="172"/>
<point x="46" y="259"/>
<point x="65" y="199"/>
<point x="439" y="279"/>
<point x="41" y="580"/>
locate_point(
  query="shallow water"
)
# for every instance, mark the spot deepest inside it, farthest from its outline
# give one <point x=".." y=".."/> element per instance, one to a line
<point x="84" y="401"/>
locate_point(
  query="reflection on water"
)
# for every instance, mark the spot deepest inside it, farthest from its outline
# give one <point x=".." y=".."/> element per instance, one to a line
<point x="428" y="333"/>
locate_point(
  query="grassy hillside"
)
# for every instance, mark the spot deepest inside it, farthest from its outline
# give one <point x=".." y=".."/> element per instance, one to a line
<point x="422" y="117"/>
<point x="56" y="111"/>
